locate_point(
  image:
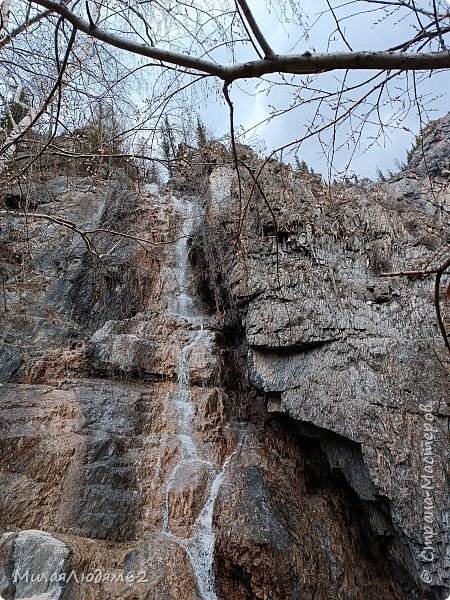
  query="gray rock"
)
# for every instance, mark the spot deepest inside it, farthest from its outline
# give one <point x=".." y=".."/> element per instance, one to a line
<point x="36" y="566"/>
<point x="337" y="376"/>
<point x="332" y="342"/>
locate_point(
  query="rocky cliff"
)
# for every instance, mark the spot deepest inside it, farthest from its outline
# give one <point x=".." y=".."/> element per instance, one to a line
<point x="209" y="390"/>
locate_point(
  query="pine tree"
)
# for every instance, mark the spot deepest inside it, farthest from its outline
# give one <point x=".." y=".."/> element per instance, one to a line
<point x="301" y="165"/>
<point x="201" y="133"/>
<point x="168" y="143"/>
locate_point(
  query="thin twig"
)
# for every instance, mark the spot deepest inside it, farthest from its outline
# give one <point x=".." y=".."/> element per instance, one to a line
<point x="268" y="52"/>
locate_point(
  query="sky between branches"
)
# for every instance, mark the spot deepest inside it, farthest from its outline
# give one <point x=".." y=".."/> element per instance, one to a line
<point x="252" y="107"/>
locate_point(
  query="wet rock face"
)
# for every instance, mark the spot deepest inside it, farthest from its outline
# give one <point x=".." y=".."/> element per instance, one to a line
<point x="258" y="439"/>
<point x="54" y="292"/>
<point x="113" y="425"/>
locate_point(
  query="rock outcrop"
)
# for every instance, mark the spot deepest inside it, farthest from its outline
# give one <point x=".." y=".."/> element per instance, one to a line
<point x="212" y="392"/>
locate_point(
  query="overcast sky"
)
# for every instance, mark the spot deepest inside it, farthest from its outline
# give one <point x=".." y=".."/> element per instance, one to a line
<point x="361" y="34"/>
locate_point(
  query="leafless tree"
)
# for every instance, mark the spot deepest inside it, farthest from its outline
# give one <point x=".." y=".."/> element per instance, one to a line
<point x="67" y="53"/>
<point x="64" y="49"/>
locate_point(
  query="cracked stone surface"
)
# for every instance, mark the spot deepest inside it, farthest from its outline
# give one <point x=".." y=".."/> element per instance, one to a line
<point x="323" y="383"/>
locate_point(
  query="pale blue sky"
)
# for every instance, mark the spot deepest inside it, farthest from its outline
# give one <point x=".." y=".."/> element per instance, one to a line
<point x="359" y="31"/>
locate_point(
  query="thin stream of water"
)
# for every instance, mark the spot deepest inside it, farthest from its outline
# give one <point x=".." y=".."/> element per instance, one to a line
<point x="200" y="545"/>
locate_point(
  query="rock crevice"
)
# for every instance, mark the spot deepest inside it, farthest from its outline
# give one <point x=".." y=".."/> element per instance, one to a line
<point x="240" y="408"/>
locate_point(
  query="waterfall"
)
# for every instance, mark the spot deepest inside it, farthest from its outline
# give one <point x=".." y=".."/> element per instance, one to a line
<point x="181" y="302"/>
<point x="199" y="545"/>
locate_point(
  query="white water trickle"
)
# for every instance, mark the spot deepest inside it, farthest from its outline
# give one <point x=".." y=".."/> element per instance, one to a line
<point x="184" y="410"/>
<point x="181" y="303"/>
<point x="200" y="546"/>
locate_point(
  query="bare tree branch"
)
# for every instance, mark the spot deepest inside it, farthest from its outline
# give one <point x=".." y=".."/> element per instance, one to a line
<point x="268" y="52"/>
<point x="338" y="26"/>
<point x="7" y="38"/>
<point x="86" y="233"/>
<point x="437" y="304"/>
<point x="7" y="151"/>
<point x="298" y="64"/>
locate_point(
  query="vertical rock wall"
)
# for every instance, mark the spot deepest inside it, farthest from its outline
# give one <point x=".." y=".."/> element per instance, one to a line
<point x="263" y="402"/>
<point x="334" y="344"/>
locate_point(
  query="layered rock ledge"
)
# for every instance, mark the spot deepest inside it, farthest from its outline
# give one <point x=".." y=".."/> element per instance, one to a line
<point x="318" y="386"/>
